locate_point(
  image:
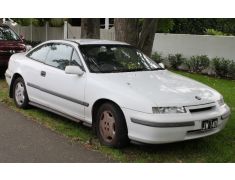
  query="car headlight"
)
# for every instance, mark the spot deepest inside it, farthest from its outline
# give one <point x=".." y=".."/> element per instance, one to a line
<point x="221" y="102"/>
<point x="168" y="110"/>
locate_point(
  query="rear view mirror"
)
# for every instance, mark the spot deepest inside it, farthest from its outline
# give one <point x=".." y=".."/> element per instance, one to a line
<point x="74" y="70"/>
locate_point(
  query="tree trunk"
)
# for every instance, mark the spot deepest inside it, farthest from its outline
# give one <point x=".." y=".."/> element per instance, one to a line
<point x="90" y="28"/>
<point x="126" y="30"/>
<point x="147" y="35"/>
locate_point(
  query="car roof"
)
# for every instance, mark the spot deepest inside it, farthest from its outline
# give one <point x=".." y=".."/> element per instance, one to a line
<point x="96" y="41"/>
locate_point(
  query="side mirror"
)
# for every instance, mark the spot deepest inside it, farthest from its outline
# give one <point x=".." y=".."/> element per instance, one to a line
<point x="162" y="65"/>
<point x="74" y="70"/>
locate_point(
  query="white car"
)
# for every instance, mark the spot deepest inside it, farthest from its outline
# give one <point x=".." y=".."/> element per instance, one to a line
<point x="117" y="89"/>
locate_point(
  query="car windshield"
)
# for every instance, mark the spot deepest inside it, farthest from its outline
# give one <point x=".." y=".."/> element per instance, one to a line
<point x="8" y="34"/>
<point x="116" y="58"/>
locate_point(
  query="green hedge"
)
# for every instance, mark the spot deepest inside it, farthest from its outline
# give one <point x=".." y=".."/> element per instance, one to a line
<point x="221" y="67"/>
<point x="33" y="43"/>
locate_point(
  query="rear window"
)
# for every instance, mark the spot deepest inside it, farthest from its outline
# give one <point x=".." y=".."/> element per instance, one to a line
<point x="7" y="33"/>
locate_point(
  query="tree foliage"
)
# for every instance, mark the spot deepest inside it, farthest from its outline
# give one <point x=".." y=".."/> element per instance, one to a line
<point x="54" y="22"/>
<point x="165" y="25"/>
<point x="201" y="25"/>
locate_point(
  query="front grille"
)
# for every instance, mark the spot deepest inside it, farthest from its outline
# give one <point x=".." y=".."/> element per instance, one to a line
<point x="202" y="131"/>
<point x="201" y="109"/>
<point x="199" y="131"/>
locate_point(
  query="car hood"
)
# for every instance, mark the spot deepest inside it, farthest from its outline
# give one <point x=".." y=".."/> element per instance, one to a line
<point x="164" y="88"/>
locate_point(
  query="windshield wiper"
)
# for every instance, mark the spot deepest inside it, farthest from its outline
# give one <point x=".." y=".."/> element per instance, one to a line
<point x="124" y="70"/>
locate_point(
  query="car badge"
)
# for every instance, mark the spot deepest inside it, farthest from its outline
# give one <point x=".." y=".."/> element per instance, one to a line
<point x="198" y="98"/>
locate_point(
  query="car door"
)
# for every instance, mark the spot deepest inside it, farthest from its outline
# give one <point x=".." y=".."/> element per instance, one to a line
<point x="64" y="92"/>
<point x="32" y="73"/>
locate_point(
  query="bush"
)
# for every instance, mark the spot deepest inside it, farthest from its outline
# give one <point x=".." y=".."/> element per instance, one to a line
<point x="38" y="22"/>
<point x="25" y="21"/>
<point x="56" y="22"/>
<point x="33" y="43"/>
<point x="157" y="57"/>
<point x="223" y="67"/>
<point x="197" y="63"/>
<point x="175" y="60"/>
<point x="231" y="70"/>
<point x="214" y="32"/>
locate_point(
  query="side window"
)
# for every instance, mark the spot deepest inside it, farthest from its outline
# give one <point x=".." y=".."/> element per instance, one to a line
<point x="75" y="61"/>
<point x="40" y="53"/>
<point x="59" y="56"/>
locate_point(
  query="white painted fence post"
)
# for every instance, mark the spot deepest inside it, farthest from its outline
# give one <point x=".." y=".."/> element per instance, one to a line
<point x="65" y="30"/>
<point x="31" y="30"/>
<point x="46" y="28"/>
<point x="106" y="23"/>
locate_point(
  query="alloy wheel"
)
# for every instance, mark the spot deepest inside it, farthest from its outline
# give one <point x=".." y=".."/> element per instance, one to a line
<point x="107" y="126"/>
<point x="19" y="93"/>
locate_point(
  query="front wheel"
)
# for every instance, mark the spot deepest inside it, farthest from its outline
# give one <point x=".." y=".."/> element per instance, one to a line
<point x="20" y="95"/>
<point x="111" y="126"/>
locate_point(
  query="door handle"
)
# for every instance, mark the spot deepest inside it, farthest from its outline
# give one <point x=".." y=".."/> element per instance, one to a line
<point x="43" y="73"/>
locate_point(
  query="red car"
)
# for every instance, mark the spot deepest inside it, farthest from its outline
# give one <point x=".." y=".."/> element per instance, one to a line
<point x="10" y="43"/>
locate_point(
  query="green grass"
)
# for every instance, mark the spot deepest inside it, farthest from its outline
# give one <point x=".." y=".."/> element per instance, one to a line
<point x="217" y="148"/>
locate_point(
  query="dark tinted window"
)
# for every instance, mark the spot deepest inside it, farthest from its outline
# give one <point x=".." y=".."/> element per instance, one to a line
<point x="8" y="34"/>
<point x="59" y="55"/>
<point x="40" y="53"/>
<point x="116" y="58"/>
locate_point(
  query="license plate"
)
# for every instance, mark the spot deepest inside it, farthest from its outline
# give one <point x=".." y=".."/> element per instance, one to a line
<point x="209" y="124"/>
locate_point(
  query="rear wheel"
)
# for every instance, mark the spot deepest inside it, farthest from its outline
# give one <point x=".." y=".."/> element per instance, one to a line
<point x="111" y="126"/>
<point x="20" y="95"/>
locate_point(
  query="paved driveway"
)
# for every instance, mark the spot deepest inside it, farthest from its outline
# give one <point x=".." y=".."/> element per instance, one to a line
<point x="23" y="140"/>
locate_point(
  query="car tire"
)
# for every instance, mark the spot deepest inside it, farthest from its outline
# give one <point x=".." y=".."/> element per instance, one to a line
<point x="20" y="95"/>
<point x="111" y="126"/>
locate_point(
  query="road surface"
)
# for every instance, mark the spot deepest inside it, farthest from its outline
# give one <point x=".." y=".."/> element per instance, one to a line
<point x="23" y="140"/>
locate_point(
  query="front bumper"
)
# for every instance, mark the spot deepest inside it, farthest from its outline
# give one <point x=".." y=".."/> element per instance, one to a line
<point x="167" y="128"/>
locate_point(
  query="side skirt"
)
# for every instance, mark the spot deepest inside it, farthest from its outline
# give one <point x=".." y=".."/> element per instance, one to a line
<point x="60" y="113"/>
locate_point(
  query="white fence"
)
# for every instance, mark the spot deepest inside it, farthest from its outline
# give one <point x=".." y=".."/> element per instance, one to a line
<point x="186" y="44"/>
<point x="44" y="33"/>
<point x="189" y="45"/>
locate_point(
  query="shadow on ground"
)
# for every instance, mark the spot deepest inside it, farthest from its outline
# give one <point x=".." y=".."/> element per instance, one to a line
<point x="2" y="77"/>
